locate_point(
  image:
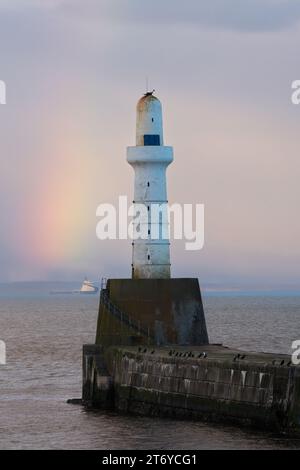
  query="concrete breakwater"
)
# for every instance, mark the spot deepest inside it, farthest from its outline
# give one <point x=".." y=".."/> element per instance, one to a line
<point x="152" y="357"/>
<point x="211" y="383"/>
<point x="249" y="391"/>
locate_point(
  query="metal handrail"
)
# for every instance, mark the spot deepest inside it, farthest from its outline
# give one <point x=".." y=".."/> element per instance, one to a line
<point x="122" y="316"/>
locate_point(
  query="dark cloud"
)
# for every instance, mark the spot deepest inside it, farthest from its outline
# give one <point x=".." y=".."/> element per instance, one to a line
<point x="240" y="15"/>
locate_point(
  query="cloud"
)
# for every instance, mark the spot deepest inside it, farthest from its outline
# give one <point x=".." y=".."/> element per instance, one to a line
<point x="246" y="15"/>
<point x="232" y="15"/>
<point x="74" y="70"/>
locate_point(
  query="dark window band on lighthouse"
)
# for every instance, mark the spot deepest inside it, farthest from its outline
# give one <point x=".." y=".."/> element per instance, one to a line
<point x="151" y="139"/>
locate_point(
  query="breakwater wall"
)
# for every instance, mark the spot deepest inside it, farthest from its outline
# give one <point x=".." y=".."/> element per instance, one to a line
<point x="215" y="384"/>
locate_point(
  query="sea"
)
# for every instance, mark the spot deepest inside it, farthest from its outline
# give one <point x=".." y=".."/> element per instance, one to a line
<point x="44" y="335"/>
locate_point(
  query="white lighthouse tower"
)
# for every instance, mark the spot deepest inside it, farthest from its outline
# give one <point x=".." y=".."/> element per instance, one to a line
<point x="150" y="158"/>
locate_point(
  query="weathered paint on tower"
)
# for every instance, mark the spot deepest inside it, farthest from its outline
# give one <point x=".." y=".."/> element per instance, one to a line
<point x="150" y="158"/>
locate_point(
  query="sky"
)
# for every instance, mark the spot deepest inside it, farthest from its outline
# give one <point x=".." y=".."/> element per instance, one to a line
<point x="223" y="69"/>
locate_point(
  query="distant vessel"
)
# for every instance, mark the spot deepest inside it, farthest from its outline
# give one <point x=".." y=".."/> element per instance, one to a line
<point x="88" y="287"/>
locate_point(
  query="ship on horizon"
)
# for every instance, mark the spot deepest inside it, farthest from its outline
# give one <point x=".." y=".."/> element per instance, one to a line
<point x="88" y="287"/>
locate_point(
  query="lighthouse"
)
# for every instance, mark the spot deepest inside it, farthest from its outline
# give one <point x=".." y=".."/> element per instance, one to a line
<point x="150" y="159"/>
<point x="151" y="307"/>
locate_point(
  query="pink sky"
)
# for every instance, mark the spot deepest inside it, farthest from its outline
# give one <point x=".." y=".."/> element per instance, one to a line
<point x="74" y="72"/>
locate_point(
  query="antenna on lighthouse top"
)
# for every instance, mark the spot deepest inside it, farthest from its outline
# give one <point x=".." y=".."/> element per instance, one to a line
<point x="148" y="93"/>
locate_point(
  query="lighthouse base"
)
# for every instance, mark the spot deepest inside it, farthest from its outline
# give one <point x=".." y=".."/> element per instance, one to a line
<point x="151" y="311"/>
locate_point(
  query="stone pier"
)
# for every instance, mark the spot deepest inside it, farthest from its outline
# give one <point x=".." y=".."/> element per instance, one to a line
<point x="211" y="383"/>
<point x="151" y="357"/>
